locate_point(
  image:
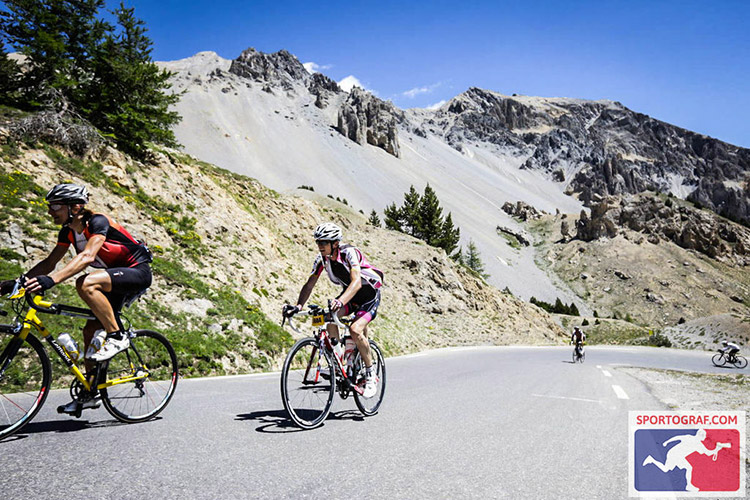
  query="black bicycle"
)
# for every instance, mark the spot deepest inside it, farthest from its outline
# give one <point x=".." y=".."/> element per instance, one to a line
<point x="722" y="358"/>
<point x="313" y="372"/>
<point x="134" y="385"/>
<point x="579" y="355"/>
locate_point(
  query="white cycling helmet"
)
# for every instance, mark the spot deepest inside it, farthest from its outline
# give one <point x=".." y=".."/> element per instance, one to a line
<point x="327" y="231"/>
<point x="68" y="194"/>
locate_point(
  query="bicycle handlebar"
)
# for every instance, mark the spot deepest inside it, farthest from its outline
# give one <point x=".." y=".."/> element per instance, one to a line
<point x="313" y="310"/>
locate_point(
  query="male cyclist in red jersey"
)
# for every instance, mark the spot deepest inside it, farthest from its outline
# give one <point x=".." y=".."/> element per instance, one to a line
<point x="346" y="266"/>
<point x="99" y="242"/>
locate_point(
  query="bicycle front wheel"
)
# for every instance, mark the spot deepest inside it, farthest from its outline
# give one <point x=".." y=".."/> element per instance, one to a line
<point x="308" y="383"/>
<point x="583" y="357"/>
<point x="25" y="375"/>
<point x="718" y="359"/>
<point x="147" y="372"/>
<point x="740" y="362"/>
<point x="370" y="406"/>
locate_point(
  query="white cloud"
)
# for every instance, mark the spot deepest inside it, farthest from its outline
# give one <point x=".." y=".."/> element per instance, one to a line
<point x="436" y="105"/>
<point x="312" y="67"/>
<point x="412" y="93"/>
<point x="350" y="82"/>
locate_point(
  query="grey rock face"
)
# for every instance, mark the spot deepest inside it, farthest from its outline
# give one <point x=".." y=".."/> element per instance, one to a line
<point x="608" y="149"/>
<point x="522" y="211"/>
<point x="686" y="226"/>
<point x="322" y="87"/>
<point x="280" y="68"/>
<point x="364" y="118"/>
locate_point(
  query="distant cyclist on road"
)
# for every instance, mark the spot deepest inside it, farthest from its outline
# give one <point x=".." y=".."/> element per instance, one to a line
<point x="360" y="281"/>
<point x="730" y="349"/>
<point x="99" y="242"/>
<point x="578" y="338"/>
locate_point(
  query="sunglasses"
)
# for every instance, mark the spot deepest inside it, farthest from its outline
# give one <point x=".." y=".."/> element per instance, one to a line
<point x="55" y="206"/>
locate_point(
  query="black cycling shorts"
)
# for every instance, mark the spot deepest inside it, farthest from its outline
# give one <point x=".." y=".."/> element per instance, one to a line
<point x="127" y="281"/>
<point x="364" y="304"/>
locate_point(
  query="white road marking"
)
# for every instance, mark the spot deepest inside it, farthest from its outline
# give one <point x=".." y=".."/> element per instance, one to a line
<point x="606" y="373"/>
<point x="599" y="366"/>
<point x="563" y="397"/>
<point x="621" y="394"/>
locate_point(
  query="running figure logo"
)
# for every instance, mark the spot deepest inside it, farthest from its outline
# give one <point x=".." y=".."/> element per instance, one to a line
<point x="669" y="455"/>
<point x="687" y="444"/>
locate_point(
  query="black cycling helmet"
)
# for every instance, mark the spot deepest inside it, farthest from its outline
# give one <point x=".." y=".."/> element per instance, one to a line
<point x="68" y="194"/>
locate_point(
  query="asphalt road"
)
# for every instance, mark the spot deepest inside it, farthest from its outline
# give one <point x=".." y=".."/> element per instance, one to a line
<point x="485" y="422"/>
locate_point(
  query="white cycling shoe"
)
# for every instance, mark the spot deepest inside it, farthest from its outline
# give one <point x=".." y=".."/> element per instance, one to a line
<point x="109" y="349"/>
<point x="371" y="385"/>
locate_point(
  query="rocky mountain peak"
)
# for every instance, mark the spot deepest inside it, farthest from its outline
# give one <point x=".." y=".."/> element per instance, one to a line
<point x="364" y="118"/>
<point x="278" y="68"/>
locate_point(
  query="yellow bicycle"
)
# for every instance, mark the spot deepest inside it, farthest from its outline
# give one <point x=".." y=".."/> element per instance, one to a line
<point x="134" y="386"/>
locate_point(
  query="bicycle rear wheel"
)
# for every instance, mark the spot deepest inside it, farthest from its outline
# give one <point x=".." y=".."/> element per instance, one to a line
<point x="25" y="375"/>
<point x="308" y="383"/>
<point x="718" y="359"/>
<point x="370" y="406"/>
<point x="152" y="362"/>
<point x="740" y="362"/>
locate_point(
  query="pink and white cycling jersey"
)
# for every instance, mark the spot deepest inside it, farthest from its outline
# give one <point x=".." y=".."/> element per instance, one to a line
<point x="339" y="269"/>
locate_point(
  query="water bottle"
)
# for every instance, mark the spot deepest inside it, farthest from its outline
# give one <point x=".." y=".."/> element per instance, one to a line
<point x="349" y="350"/>
<point x="69" y="345"/>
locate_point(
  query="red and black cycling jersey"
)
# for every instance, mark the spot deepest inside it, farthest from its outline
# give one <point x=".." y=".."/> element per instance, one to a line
<point x="120" y="249"/>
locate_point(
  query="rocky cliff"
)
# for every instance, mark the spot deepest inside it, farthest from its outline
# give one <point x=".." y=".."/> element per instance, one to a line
<point x="599" y="148"/>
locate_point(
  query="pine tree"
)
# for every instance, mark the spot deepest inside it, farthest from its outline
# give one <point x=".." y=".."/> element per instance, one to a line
<point x="9" y="78"/>
<point x="410" y="213"/>
<point x="374" y="219"/>
<point x="57" y="37"/>
<point x="393" y="218"/>
<point x="450" y="235"/>
<point x="473" y="260"/>
<point x="458" y="257"/>
<point x="429" y="219"/>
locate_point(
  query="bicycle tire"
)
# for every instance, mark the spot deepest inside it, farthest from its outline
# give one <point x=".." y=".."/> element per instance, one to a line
<point x="740" y="362"/>
<point x="25" y="382"/>
<point x="144" y="398"/>
<point x="305" y="391"/>
<point x="575" y="356"/>
<point x="370" y="406"/>
<point x="583" y="357"/>
<point x="717" y="358"/>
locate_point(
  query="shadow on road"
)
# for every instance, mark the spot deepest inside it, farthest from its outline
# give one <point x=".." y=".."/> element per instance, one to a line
<point x="277" y="421"/>
<point x="272" y="421"/>
<point x="64" y="426"/>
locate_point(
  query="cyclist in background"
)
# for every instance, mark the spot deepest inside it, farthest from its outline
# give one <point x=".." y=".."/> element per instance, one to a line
<point x="730" y="349"/>
<point x="578" y="338"/>
<point x="360" y="281"/>
<point x="99" y="242"/>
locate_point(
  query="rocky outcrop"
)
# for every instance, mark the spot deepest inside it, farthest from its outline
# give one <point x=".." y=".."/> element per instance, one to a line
<point x="601" y="148"/>
<point x="280" y="68"/>
<point x="522" y="211"/>
<point x="661" y="220"/>
<point x="365" y="119"/>
<point x="323" y="88"/>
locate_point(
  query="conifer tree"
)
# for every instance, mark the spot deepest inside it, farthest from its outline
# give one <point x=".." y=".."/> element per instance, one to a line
<point x="429" y="220"/>
<point x="449" y="235"/>
<point x="374" y="219"/>
<point x="393" y="218"/>
<point x="410" y="213"/>
<point x="473" y="260"/>
<point x="129" y="100"/>
<point x="9" y="77"/>
<point x="57" y="37"/>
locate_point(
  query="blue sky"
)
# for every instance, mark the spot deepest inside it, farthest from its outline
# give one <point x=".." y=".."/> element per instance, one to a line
<point x="686" y="62"/>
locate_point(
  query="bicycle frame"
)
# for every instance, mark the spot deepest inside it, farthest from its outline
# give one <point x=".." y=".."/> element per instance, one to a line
<point x="31" y="319"/>
<point x="324" y="342"/>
